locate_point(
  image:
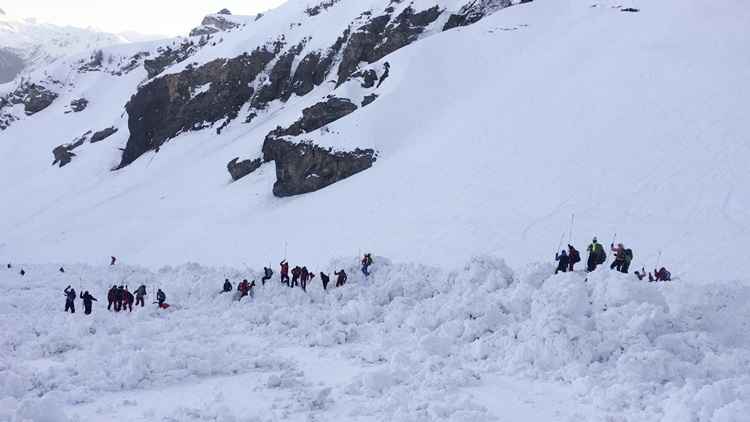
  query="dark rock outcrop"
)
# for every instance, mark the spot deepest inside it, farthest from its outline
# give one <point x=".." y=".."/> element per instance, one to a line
<point x="239" y="169"/>
<point x="167" y="57"/>
<point x="166" y="106"/>
<point x="64" y="153"/>
<point x="382" y="36"/>
<point x="314" y="67"/>
<point x="369" y="99"/>
<point x="315" y="117"/>
<point x="279" y="80"/>
<point x="212" y="24"/>
<point x="79" y="105"/>
<point x="322" y="6"/>
<point x="37" y="98"/>
<point x="476" y="10"/>
<point x="103" y="134"/>
<point x="305" y="167"/>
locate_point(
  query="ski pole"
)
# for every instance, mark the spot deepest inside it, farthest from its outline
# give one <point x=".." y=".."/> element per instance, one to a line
<point x="559" y="244"/>
<point x="614" y="238"/>
<point x="658" y="260"/>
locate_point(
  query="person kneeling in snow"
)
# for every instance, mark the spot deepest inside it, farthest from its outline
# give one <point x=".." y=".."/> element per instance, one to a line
<point x="227" y="286"/>
<point x="161" y="298"/>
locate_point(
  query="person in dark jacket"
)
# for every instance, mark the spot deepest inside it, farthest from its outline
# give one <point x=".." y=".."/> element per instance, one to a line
<point x="227" y="286"/>
<point x="284" y="272"/>
<point x="340" y="277"/>
<point x="366" y="262"/>
<point x="140" y="295"/>
<point x="573" y="256"/>
<point x="111" y="297"/>
<point x="23" y="273"/>
<point x="325" y="279"/>
<point x="70" y="298"/>
<point x="267" y="274"/>
<point x="88" y="300"/>
<point x="62" y="270"/>
<point x="304" y="275"/>
<point x="119" y="298"/>
<point x="563" y="261"/>
<point x="161" y="298"/>
<point x="112" y="261"/>
<point x="296" y="272"/>
<point x="127" y="300"/>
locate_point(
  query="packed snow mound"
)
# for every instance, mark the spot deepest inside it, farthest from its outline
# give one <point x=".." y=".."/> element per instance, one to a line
<point x="634" y="122"/>
<point x="415" y="340"/>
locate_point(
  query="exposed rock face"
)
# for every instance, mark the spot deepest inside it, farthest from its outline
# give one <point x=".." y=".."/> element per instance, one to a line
<point x="64" y="153"/>
<point x="167" y="57"/>
<point x="305" y="167"/>
<point x="212" y="24"/>
<point x="314" y="117"/>
<point x="103" y="134"/>
<point x="166" y="106"/>
<point x="475" y="10"/>
<point x="322" y="6"/>
<point x="37" y="99"/>
<point x="314" y="68"/>
<point x="79" y="105"/>
<point x="279" y="80"/>
<point x="239" y="169"/>
<point x="369" y="99"/>
<point x="382" y="36"/>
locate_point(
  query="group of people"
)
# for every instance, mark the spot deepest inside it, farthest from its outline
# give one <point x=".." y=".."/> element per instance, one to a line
<point x="300" y="277"/>
<point x="70" y="299"/>
<point x="623" y="257"/>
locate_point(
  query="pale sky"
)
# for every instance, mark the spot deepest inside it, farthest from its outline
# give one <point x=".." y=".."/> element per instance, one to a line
<point x="160" y="17"/>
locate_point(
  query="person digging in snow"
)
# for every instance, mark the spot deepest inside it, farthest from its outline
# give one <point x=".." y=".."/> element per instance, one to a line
<point x="70" y="298"/>
<point x="243" y="288"/>
<point x="340" y="278"/>
<point x="161" y="298"/>
<point x="296" y="272"/>
<point x="325" y="279"/>
<point x="88" y="300"/>
<point x="563" y="261"/>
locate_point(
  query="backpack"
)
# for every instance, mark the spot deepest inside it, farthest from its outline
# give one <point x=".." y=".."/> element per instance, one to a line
<point x="574" y="256"/>
<point x="628" y="255"/>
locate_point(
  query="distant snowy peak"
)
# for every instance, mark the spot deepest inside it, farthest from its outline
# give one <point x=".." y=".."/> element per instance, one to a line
<point x="37" y="44"/>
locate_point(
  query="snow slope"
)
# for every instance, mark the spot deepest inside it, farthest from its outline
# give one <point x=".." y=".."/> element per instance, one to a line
<point x="480" y="342"/>
<point x="489" y="138"/>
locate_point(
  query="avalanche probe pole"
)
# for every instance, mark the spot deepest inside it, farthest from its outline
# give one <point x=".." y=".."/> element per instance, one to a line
<point x="559" y="244"/>
<point x="572" y="221"/>
<point x="658" y="260"/>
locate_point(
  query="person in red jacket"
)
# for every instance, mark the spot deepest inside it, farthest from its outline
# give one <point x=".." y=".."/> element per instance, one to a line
<point x="284" y="272"/>
<point x="243" y="288"/>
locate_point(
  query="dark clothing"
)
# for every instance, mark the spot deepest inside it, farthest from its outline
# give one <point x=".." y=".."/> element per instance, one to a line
<point x="70" y="297"/>
<point x="296" y="272"/>
<point x="284" y="272"/>
<point x="267" y="274"/>
<point x="140" y="294"/>
<point x="227" y="286"/>
<point x="243" y="288"/>
<point x="127" y="301"/>
<point x="304" y="276"/>
<point x="160" y="297"/>
<point x="366" y="262"/>
<point x="111" y="297"/>
<point x="325" y="279"/>
<point x="563" y="261"/>
<point x="340" y="278"/>
<point x="573" y="256"/>
<point x="88" y="300"/>
<point x="112" y="262"/>
<point x="597" y="256"/>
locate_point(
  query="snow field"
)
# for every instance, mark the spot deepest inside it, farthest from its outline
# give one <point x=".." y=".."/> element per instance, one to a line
<point x="412" y="342"/>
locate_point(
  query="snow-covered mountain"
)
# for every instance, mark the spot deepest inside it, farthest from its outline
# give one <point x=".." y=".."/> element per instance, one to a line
<point x="28" y="44"/>
<point x="424" y="130"/>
